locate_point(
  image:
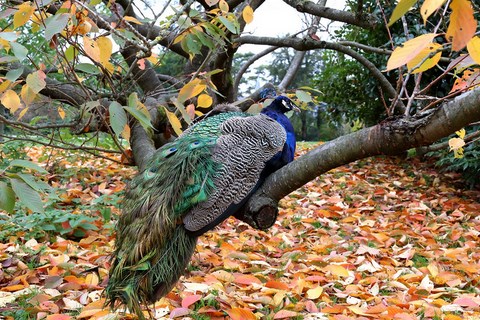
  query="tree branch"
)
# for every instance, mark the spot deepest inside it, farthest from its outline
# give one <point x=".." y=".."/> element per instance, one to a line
<point x="366" y="21"/>
<point x="387" y="138"/>
<point x="309" y="44"/>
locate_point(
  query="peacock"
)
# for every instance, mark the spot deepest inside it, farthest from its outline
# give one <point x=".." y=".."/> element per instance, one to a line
<point x="190" y="186"/>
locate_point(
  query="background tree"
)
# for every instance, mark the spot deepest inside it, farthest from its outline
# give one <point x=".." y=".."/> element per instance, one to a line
<point x="99" y="66"/>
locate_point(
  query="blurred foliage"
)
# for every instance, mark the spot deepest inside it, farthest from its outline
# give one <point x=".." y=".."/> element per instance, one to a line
<point x="468" y="165"/>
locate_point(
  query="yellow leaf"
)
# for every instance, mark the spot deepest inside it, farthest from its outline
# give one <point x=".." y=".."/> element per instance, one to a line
<point x="409" y="50"/>
<point x="10" y="100"/>
<point x="223" y="275"/>
<point x="61" y="112"/>
<point x="204" y="101"/>
<point x="5" y="85"/>
<point x="174" y="122"/>
<point x="132" y="19"/>
<point x="22" y="113"/>
<point x="92" y="279"/>
<point x="25" y="11"/>
<point x="456" y="143"/>
<point x="430" y="6"/>
<point x="422" y="57"/>
<point x="337" y="270"/>
<point x="27" y="94"/>
<point x="461" y="133"/>
<point x="433" y="269"/>
<point x="91" y="48"/>
<point x="462" y="24"/>
<point x="105" y="47"/>
<point x="191" y="89"/>
<point x="315" y="293"/>
<point x="473" y="47"/>
<point x="358" y="310"/>
<point x="402" y="7"/>
<point x="247" y="14"/>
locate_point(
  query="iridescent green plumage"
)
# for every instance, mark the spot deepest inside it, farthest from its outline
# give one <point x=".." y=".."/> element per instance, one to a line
<point x="189" y="186"/>
<point x="179" y="176"/>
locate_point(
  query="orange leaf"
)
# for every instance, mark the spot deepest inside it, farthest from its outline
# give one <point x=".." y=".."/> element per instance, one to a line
<point x="241" y="314"/>
<point x="333" y="309"/>
<point x="13" y="288"/>
<point x="247" y="279"/>
<point x="462" y="24"/>
<point x="188" y="301"/>
<point x="276" y="285"/>
<point x="91" y="48"/>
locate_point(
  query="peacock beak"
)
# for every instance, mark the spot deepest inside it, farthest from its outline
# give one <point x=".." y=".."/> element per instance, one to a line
<point x="295" y="107"/>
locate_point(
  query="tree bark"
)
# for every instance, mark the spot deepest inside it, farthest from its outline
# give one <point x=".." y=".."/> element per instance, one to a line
<point x="389" y="137"/>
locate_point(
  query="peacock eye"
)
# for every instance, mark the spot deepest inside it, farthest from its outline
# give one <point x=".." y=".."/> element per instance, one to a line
<point x="170" y="152"/>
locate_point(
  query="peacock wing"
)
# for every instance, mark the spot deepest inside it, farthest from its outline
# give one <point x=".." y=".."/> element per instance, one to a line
<point x="242" y="150"/>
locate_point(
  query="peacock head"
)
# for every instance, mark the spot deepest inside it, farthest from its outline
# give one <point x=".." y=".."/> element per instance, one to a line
<point x="283" y="104"/>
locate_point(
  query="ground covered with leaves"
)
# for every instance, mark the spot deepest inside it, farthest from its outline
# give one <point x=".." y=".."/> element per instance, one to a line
<point x="380" y="238"/>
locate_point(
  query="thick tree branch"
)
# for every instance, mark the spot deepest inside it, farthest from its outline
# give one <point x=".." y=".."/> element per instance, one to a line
<point x="388" y="138"/>
<point x="366" y="21"/>
<point x="309" y="44"/>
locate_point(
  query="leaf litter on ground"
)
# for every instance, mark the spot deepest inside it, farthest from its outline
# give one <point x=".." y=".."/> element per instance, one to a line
<point x="380" y="238"/>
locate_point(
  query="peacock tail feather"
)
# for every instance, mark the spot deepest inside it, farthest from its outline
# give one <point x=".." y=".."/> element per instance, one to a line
<point x="152" y="247"/>
<point x="188" y="187"/>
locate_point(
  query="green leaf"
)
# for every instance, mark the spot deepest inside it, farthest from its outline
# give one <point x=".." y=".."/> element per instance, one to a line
<point x="71" y="53"/>
<point x="27" y="196"/>
<point x="9" y="36"/>
<point x="193" y="44"/>
<point x="30" y="180"/>
<point x="133" y="100"/>
<point x="13" y="74"/>
<point x="19" y="51"/>
<point x="118" y="117"/>
<point x="140" y="116"/>
<point x="55" y="24"/>
<point x="87" y="67"/>
<point x="27" y="164"/>
<point x="231" y="26"/>
<point x="7" y="197"/>
<point x="303" y="96"/>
